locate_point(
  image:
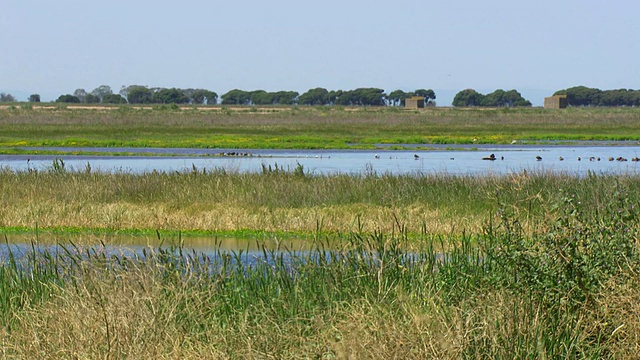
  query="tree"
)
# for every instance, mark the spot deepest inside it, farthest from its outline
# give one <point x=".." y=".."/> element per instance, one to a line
<point x="7" y="98"/>
<point x="498" y="98"/>
<point x="396" y="98"/>
<point x="467" y="97"/>
<point x="139" y="95"/>
<point x="68" y="98"/>
<point x="113" y="99"/>
<point x="317" y="96"/>
<point x="102" y="91"/>
<point x="34" y="98"/>
<point x="236" y="97"/>
<point x="80" y="94"/>
<point x="261" y="97"/>
<point x="170" y="96"/>
<point x="91" y="99"/>
<point x="285" y="97"/>
<point x="429" y="95"/>
<point x="581" y="96"/>
<point x="202" y="96"/>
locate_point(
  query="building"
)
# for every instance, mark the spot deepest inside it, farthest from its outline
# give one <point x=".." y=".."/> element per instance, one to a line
<point x="556" y="102"/>
<point x="414" y="102"/>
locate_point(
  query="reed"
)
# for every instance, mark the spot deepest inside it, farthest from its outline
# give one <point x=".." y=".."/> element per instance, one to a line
<point x="375" y="295"/>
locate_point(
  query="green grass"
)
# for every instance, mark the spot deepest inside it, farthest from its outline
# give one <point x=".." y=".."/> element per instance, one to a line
<point x="567" y="290"/>
<point x="309" y="128"/>
<point x="280" y="202"/>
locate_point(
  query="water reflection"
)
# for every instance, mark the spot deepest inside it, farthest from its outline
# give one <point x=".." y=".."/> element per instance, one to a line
<point x="20" y="245"/>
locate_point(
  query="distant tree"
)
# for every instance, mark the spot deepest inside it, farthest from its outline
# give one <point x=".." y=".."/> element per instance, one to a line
<point x="317" y="96"/>
<point x="581" y="96"/>
<point x="467" y="97"/>
<point x="68" y="98"/>
<point x="170" y="96"/>
<point x="91" y="99"/>
<point x="260" y="97"/>
<point x="332" y="96"/>
<point x="101" y="91"/>
<point x="498" y="98"/>
<point x="429" y="95"/>
<point x="80" y="94"/>
<point x="285" y="97"/>
<point x="113" y="99"/>
<point x="7" y="98"/>
<point x="202" y="96"/>
<point x="585" y="96"/>
<point x="236" y="97"/>
<point x="396" y="98"/>
<point x="137" y="94"/>
<point x="34" y="98"/>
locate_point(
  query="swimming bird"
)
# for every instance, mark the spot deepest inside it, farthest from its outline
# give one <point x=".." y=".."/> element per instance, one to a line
<point x="415" y="156"/>
<point x="610" y="158"/>
<point x="538" y="157"/>
<point x="376" y="156"/>
<point x="490" y="157"/>
<point x="579" y="158"/>
<point x="560" y="158"/>
<point x="635" y="159"/>
<point x="501" y="157"/>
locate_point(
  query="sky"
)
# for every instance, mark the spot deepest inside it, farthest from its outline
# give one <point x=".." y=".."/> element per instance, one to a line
<point x="536" y="47"/>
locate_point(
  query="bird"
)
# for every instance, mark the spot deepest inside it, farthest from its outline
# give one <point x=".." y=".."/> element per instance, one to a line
<point x="415" y="156"/>
<point x="376" y="156"/>
<point x="579" y="158"/>
<point x="501" y="157"/>
<point x="560" y="158"/>
<point x="538" y="157"/>
<point x="610" y="158"/>
<point x="490" y="157"/>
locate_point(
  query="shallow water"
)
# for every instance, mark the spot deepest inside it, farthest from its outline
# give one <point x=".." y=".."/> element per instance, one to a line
<point x="466" y="160"/>
<point x="249" y="250"/>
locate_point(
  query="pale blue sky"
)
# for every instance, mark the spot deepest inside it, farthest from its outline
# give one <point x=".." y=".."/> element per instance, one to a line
<point x="537" y="47"/>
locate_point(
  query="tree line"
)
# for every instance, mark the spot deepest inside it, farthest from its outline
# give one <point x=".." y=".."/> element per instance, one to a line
<point x="139" y="94"/>
<point x="585" y="96"/>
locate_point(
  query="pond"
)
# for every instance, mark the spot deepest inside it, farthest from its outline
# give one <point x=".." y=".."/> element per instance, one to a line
<point x="464" y="160"/>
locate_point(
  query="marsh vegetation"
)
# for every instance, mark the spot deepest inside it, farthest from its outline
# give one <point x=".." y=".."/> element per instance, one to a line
<point x="524" y="265"/>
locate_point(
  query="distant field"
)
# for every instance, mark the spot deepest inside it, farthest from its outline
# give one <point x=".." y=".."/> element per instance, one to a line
<point x="303" y="127"/>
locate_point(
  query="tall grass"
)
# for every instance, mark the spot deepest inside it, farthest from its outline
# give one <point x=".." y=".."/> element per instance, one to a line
<point x="565" y="291"/>
<point x="219" y="200"/>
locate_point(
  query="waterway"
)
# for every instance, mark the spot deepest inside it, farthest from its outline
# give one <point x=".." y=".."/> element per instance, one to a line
<point x="463" y="160"/>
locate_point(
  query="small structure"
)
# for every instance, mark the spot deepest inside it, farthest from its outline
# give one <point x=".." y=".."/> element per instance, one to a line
<point x="414" y="102"/>
<point x="556" y="102"/>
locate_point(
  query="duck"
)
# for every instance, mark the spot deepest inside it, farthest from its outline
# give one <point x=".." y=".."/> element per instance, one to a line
<point x="635" y="159"/>
<point x="416" y="156"/>
<point x="490" y="157"/>
<point x="610" y="158"/>
<point x="538" y="157"/>
<point x="376" y="156"/>
<point x="560" y="158"/>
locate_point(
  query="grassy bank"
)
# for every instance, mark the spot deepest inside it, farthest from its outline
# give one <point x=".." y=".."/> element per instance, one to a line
<point x="568" y="289"/>
<point x="307" y="128"/>
<point x="278" y="202"/>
